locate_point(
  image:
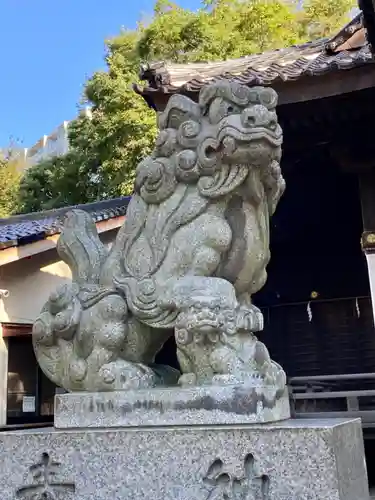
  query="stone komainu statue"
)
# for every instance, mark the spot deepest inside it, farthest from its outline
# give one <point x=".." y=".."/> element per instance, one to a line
<point x="192" y="251"/>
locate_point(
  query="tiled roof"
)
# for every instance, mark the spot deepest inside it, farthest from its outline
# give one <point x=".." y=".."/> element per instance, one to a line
<point x="23" y="229"/>
<point x="346" y="50"/>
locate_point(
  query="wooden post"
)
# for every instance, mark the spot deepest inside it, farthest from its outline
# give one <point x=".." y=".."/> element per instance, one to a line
<point x="3" y="378"/>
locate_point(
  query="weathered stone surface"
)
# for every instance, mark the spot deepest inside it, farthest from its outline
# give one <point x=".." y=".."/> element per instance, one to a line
<point x="174" y="406"/>
<point x="293" y="460"/>
<point x="192" y="251"/>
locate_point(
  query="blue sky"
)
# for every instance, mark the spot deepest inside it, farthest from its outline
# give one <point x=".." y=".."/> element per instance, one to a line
<point x="48" y="49"/>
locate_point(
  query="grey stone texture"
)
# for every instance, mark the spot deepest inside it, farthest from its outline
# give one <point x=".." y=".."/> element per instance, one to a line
<point x="192" y="251"/>
<point x="170" y="406"/>
<point x="292" y="460"/>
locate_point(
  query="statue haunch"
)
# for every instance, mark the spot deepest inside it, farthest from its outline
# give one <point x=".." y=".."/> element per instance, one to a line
<point x="192" y="251"/>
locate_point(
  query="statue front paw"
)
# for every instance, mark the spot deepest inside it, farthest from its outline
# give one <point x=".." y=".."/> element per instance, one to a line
<point x="249" y="318"/>
<point x="270" y="371"/>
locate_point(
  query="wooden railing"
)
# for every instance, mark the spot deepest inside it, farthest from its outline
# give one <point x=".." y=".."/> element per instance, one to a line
<point x="331" y="396"/>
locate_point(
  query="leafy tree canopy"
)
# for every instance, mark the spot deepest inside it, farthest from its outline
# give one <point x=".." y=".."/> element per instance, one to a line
<point x="10" y="175"/>
<point x="105" y="149"/>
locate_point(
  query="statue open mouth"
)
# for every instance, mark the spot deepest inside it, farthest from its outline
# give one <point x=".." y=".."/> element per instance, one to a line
<point x="208" y="327"/>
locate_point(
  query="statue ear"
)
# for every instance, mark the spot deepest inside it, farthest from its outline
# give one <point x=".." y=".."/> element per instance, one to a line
<point x="178" y="110"/>
<point x="209" y="92"/>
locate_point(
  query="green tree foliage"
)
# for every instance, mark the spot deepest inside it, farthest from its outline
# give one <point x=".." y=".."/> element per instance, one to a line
<point x="105" y="148"/>
<point x="41" y="187"/>
<point x="9" y="185"/>
<point x="320" y="19"/>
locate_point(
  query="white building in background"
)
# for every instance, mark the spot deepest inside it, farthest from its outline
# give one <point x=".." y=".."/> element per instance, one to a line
<point x="17" y="153"/>
<point x="49" y="146"/>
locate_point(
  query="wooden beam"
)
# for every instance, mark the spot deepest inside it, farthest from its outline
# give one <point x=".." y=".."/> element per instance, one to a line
<point x="13" y="254"/>
<point x="110" y="224"/>
<point x="353" y="155"/>
<point x="307" y="88"/>
<point x="310" y="88"/>
<point x="16" y="329"/>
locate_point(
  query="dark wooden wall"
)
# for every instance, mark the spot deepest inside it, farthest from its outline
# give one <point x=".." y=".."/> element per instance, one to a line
<point x="316" y="247"/>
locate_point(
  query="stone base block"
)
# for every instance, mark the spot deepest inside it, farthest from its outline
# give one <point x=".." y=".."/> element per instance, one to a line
<point x="171" y="406"/>
<point x="291" y="460"/>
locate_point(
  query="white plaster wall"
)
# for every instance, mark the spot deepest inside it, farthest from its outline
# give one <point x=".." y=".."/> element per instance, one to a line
<point x="30" y="282"/>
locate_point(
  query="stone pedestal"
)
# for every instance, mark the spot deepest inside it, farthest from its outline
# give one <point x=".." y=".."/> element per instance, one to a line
<point x="291" y="460"/>
<point x="171" y="406"/>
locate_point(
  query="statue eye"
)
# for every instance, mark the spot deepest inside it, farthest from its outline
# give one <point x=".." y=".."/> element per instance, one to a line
<point x="231" y="109"/>
<point x="220" y="109"/>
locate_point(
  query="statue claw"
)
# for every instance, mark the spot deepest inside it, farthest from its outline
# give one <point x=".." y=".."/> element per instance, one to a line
<point x="188" y="379"/>
<point x="249" y="318"/>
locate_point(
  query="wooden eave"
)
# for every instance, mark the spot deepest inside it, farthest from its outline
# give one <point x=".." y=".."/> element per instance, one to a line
<point x="315" y="70"/>
<point x="13" y="254"/>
